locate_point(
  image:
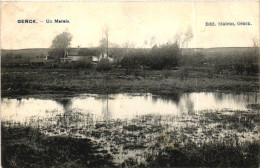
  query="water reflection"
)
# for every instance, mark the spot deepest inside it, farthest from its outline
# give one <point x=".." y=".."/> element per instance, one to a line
<point x="106" y="111"/>
<point x="188" y="104"/>
<point x="66" y="103"/>
<point x="172" y="98"/>
<point x="120" y="106"/>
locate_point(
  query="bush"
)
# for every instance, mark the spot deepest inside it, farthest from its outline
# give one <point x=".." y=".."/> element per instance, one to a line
<point x="184" y="73"/>
<point x="194" y="59"/>
<point x="166" y="56"/>
<point x="252" y="69"/>
<point x="104" y="65"/>
<point x="83" y="64"/>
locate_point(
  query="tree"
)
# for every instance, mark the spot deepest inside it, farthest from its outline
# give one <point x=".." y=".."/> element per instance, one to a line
<point x="59" y="45"/>
<point x="255" y="45"/>
<point x="104" y="43"/>
<point x="178" y="38"/>
<point x="188" y="36"/>
<point x="128" y="44"/>
<point x="152" y="41"/>
<point x="165" y="56"/>
<point x="183" y="39"/>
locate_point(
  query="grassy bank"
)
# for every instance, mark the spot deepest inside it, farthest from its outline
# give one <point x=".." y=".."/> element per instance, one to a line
<point x="166" y="82"/>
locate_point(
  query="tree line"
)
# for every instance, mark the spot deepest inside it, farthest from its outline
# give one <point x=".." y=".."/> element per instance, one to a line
<point x="165" y="56"/>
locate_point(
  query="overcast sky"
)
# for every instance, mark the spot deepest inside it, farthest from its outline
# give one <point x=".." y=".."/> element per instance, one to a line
<point x="133" y="22"/>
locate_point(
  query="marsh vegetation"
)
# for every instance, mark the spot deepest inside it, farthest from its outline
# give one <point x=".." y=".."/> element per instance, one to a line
<point x="196" y="136"/>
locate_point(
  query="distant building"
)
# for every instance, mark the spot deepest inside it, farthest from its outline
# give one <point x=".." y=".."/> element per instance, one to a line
<point x="104" y="55"/>
<point x="74" y="55"/>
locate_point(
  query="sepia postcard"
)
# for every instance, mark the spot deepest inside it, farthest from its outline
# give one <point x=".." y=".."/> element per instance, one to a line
<point x="130" y="84"/>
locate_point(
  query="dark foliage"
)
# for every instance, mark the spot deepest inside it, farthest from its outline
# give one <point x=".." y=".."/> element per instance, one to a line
<point x="104" y="65"/>
<point x="165" y="56"/>
<point x="208" y="155"/>
<point x="59" y="45"/>
<point x="26" y="147"/>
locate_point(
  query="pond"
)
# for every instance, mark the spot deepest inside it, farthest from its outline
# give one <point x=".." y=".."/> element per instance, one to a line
<point x="125" y="106"/>
<point x="139" y="126"/>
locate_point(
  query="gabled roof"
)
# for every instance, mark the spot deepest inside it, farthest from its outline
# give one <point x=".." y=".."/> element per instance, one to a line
<point x="73" y="52"/>
<point x="81" y="52"/>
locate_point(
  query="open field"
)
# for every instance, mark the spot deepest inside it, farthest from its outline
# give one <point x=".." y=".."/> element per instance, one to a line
<point x="17" y="82"/>
<point x="24" y="53"/>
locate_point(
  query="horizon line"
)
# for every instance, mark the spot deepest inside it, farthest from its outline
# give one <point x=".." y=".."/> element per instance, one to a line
<point x="134" y="48"/>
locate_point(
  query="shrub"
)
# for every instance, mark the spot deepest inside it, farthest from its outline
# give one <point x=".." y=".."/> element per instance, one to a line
<point x="104" y="65"/>
<point x="194" y="59"/>
<point x="166" y="56"/>
<point x="184" y="73"/>
<point x="83" y="64"/>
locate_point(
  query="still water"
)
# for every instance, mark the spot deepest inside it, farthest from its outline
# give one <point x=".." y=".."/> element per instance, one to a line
<point x="124" y="106"/>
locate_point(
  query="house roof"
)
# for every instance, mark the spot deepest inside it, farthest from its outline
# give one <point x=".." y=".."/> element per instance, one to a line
<point x="73" y="52"/>
<point x="81" y="52"/>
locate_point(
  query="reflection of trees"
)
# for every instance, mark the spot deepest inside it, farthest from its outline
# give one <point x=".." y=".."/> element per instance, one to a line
<point x="154" y="99"/>
<point x="66" y="103"/>
<point x="105" y="109"/>
<point x="172" y="97"/>
<point x="104" y="96"/>
<point x="146" y="97"/>
<point x="253" y="98"/>
<point x="72" y="117"/>
<point x="218" y="96"/>
<point x="65" y="118"/>
<point x="19" y="102"/>
<point x="188" y="103"/>
<point x="238" y="98"/>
